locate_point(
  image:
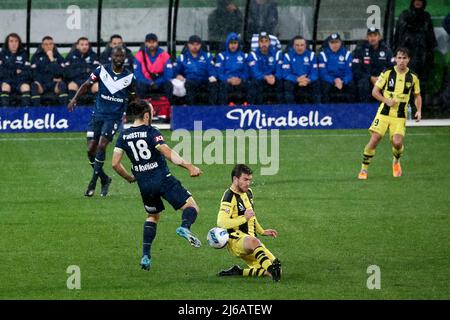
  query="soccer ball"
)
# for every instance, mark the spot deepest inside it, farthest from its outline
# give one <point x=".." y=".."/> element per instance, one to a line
<point x="217" y="237"/>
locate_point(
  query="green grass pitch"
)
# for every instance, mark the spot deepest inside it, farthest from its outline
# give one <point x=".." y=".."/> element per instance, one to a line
<point x="331" y="226"/>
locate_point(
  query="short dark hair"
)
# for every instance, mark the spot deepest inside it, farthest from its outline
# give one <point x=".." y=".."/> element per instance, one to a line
<point x="46" y="38"/>
<point x="403" y="50"/>
<point x="137" y="108"/>
<point x="298" y="38"/>
<point x="239" y="169"/>
<point x="82" y="38"/>
<point x="115" y="36"/>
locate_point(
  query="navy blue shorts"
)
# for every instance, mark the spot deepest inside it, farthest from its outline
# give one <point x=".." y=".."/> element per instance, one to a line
<point x="102" y="127"/>
<point x="170" y="189"/>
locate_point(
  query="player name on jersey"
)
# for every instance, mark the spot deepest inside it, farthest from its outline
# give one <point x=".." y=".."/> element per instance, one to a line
<point x="135" y="135"/>
<point x="145" y="167"/>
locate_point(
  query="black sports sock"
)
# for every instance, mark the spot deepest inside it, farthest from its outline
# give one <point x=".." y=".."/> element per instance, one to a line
<point x="149" y="235"/>
<point x="91" y="160"/>
<point x="188" y="217"/>
<point x="98" y="166"/>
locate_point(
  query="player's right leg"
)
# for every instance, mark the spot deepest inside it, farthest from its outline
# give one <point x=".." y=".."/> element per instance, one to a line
<point x="377" y="129"/>
<point x="149" y="234"/>
<point x="92" y="136"/>
<point x="153" y="205"/>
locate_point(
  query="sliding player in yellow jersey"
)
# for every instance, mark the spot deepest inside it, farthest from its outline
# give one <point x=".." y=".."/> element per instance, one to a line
<point x="237" y="216"/>
<point x="393" y="89"/>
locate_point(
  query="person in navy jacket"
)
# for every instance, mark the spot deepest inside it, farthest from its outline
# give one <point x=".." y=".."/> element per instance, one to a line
<point x="47" y="67"/>
<point x="232" y="72"/>
<point x="370" y="58"/>
<point x="265" y="72"/>
<point x="335" y="71"/>
<point x="14" y="71"/>
<point x="300" y="73"/>
<point x="80" y="62"/>
<point x="196" y="67"/>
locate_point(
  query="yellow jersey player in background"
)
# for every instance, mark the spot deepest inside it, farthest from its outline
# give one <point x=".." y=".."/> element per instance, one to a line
<point x="393" y="89"/>
<point x="237" y="216"/>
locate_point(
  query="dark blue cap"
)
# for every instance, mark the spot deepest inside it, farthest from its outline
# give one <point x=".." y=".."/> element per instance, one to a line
<point x="151" y="37"/>
<point x="194" y="39"/>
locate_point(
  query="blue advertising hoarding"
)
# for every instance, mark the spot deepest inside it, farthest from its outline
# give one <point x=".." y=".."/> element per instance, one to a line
<point x="322" y="116"/>
<point x="43" y="119"/>
<point x="307" y="116"/>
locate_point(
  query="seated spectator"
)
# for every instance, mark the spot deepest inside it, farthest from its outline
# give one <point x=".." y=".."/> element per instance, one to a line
<point x="196" y="68"/>
<point x="153" y="69"/>
<point x="47" y="67"/>
<point x="300" y="73"/>
<point x="116" y="41"/>
<point x="80" y="62"/>
<point x="370" y="58"/>
<point x="226" y="18"/>
<point x="232" y="71"/>
<point x="274" y="42"/>
<point x="14" y="71"/>
<point x="335" y="71"/>
<point x="266" y="77"/>
<point x="262" y="17"/>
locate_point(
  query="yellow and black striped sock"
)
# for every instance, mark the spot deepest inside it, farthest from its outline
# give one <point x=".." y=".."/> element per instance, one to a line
<point x="397" y="153"/>
<point x="367" y="157"/>
<point x="261" y="255"/>
<point x="254" y="272"/>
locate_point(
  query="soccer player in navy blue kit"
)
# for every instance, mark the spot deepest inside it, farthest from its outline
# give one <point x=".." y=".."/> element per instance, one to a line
<point x="145" y="147"/>
<point x="115" y="89"/>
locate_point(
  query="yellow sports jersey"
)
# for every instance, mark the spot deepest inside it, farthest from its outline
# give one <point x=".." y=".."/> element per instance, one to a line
<point x="399" y="86"/>
<point x="231" y="213"/>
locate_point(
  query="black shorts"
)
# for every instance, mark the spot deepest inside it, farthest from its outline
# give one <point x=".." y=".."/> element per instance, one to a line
<point x="170" y="189"/>
<point x="102" y="127"/>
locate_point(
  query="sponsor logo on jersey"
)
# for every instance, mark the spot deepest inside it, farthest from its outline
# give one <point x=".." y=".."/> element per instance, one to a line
<point x="159" y="138"/>
<point x="112" y="99"/>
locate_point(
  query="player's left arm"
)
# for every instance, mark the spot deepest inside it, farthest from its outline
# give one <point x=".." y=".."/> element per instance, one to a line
<point x="265" y="232"/>
<point x="176" y="159"/>
<point x="118" y="166"/>
<point x="418" y="104"/>
<point x="417" y="100"/>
